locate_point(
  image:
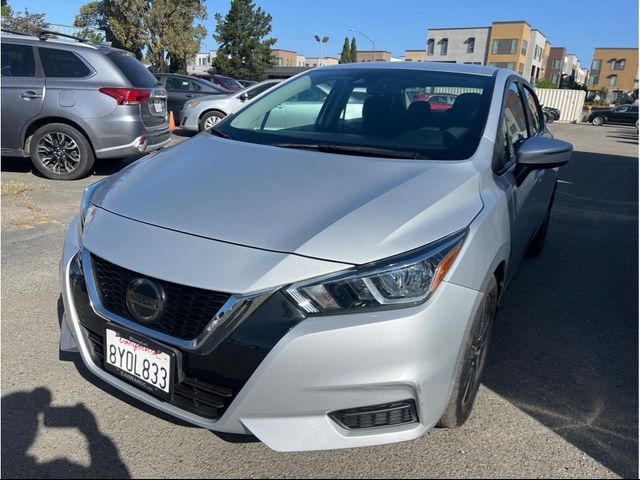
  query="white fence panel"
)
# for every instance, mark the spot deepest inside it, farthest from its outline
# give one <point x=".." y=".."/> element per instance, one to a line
<point x="569" y="102"/>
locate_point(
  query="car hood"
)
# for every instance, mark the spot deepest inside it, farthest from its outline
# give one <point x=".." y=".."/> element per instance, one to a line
<point x="342" y="208"/>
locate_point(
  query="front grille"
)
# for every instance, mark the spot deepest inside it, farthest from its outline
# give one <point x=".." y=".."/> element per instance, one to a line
<point x="386" y="415"/>
<point x="188" y="309"/>
<point x="193" y="395"/>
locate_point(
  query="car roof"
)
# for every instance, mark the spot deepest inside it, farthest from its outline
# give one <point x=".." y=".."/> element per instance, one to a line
<point x="430" y="66"/>
<point x="57" y="42"/>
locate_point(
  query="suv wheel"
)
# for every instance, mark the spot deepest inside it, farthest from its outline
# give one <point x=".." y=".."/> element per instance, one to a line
<point x="467" y="381"/>
<point x="598" y="121"/>
<point x="210" y="120"/>
<point x="60" y="152"/>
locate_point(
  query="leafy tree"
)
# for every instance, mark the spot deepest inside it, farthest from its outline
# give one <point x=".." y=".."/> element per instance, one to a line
<point x="345" y="56"/>
<point x="91" y="35"/>
<point x="544" y="83"/>
<point x="163" y="29"/>
<point x="354" y="50"/>
<point x="244" y="50"/>
<point x="27" y="22"/>
<point x="6" y="9"/>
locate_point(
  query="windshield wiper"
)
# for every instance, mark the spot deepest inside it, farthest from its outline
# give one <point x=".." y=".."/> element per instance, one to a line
<point x="219" y="133"/>
<point x="354" y="150"/>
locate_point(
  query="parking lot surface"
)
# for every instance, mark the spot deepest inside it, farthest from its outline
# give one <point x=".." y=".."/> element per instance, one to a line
<point x="559" y="397"/>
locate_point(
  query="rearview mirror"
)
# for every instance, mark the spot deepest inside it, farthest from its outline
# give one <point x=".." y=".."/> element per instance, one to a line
<point x="543" y="152"/>
<point x="244" y="97"/>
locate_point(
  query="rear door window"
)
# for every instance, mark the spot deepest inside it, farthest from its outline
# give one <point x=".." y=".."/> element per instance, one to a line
<point x="131" y="68"/>
<point x="175" y="83"/>
<point x="17" y="61"/>
<point x="58" y="63"/>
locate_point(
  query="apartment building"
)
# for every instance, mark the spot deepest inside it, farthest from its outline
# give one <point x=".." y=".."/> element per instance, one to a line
<point x="300" y="60"/>
<point x="509" y="44"/>
<point x="458" y="45"/>
<point x="555" y="65"/>
<point x="285" y="58"/>
<point x="614" y="70"/>
<point x="536" y="62"/>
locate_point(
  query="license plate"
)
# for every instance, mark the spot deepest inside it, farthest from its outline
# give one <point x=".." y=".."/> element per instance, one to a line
<point x="158" y="105"/>
<point x="141" y="362"/>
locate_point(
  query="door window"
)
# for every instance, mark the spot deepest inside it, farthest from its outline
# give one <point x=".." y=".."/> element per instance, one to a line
<point x="62" y="64"/>
<point x="621" y="109"/>
<point x="174" y="83"/>
<point x="17" y="61"/>
<point x="514" y="127"/>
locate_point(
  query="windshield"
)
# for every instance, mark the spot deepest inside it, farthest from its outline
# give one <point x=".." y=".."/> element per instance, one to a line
<point x="376" y="110"/>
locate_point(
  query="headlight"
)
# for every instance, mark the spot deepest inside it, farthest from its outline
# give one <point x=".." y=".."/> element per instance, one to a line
<point x="401" y="281"/>
<point x="192" y="104"/>
<point x="86" y="208"/>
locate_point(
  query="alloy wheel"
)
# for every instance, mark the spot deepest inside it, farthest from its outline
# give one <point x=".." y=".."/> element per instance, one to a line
<point x="59" y="153"/>
<point x="211" y="122"/>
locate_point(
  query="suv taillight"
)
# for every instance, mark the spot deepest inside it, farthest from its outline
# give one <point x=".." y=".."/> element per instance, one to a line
<point x="127" y="96"/>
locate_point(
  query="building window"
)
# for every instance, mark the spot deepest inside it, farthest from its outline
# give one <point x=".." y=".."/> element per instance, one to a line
<point x="618" y="64"/>
<point x="471" y="45"/>
<point x="556" y="63"/>
<point x="430" y="46"/>
<point x="594" y="79"/>
<point x="521" y="68"/>
<point x="596" y="65"/>
<point x="505" y="46"/>
<point x="613" y="79"/>
<point x="554" y="79"/>
<point x="524" y="48"/>
<point x="444" y="46"/>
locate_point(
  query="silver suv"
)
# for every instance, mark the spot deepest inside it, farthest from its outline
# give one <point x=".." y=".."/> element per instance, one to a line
<point x="66" y="103"/>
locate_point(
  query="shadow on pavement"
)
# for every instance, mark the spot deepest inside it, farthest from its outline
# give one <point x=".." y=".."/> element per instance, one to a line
<point x="625" y="135"/>
<point x="22" y="415"/>
<point x="101" y="167"/>
<point x="565" y="347"/>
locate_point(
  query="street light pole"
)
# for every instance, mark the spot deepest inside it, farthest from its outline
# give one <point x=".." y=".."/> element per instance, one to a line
<point x="321" y="41"/>
<point x="373" y="44"/>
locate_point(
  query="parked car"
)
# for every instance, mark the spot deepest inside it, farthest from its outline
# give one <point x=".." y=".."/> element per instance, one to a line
<point x="227" y="83"/>
<point x="438" y="101"/>
<point x="181" y="88"/>
<point x="321" y="286"/>
<point x="205" y="112"/>
<point x="625" y="114"/>
<point x="66" y="103"/>
<point x="551" y="114"/>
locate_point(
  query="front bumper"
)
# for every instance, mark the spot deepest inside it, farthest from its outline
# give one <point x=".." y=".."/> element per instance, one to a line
<point x="189" y="119"/>
<point x="325" y="364"/>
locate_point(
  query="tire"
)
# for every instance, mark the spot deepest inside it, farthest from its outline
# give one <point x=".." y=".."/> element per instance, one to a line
<point x="60" y="152"/>
<point x="469" y="373"/>
<point x="598" y="121"/>
<point x="209" y="120"/>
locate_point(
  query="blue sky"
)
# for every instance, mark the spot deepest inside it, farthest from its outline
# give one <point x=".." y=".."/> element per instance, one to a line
<point x="580" y="26"/>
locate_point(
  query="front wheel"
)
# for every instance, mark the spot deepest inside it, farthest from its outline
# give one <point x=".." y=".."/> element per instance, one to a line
<point x="598" y="121"/>
<point x="60" y="152"/>
<point x="467" y="381"/>
<point x="210" y="120"/>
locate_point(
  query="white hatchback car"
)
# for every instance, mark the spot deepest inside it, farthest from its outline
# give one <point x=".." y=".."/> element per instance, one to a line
<point x="325" y="282"/>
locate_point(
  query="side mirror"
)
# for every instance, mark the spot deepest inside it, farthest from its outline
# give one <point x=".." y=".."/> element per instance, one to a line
<point x="538" y="153"/>
<point x="244" y="97"/>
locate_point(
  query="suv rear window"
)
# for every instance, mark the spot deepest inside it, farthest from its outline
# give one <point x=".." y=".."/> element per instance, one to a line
<point x="17" y="61"/>
<point x="135" y="72"/>
<point x="62" y="63"/>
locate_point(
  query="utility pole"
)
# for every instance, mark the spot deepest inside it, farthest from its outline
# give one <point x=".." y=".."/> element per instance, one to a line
<point x="373" y="44"/>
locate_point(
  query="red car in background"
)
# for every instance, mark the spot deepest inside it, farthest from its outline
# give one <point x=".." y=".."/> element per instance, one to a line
<point x="227" y="83"/>
<point x="438" y="101"/>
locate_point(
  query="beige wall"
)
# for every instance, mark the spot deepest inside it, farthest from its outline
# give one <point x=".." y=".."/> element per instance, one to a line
<point x="505" y="31"/>
<point x="626" y="79"/>
<point x="415" y="55"/>
<point x="285" y="58"/>
<point x="378" y="55"/>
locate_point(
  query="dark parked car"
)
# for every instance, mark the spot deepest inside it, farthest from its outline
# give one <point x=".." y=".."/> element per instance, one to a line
<point x="227" y="83"/>
<point x="627" y="114"/>
<point x="64" y="104"/>
<point x="181" y="88"/>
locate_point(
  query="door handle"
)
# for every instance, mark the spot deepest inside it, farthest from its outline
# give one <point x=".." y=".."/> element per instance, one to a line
<point x="30" y="95"/>
<point x="188" y="95"/>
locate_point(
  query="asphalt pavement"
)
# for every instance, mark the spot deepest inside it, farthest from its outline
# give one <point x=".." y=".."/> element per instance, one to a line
<point x="559" y="397"/>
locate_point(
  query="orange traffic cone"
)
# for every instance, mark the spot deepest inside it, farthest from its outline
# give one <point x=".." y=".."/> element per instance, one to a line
<point x="172" y="122"/>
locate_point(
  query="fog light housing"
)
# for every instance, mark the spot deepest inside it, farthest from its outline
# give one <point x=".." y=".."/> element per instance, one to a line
<point x="142" y="146"/>
<point x="376" y="416"/>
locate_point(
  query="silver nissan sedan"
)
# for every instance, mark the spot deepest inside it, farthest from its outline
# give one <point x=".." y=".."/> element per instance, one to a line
<point x="322" y="269"/>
